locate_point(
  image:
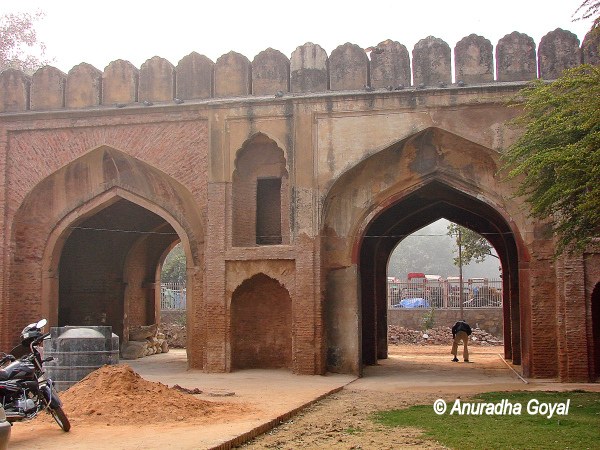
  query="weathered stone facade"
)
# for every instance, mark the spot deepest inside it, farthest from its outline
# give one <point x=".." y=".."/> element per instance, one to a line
<point x="288" y="182"/>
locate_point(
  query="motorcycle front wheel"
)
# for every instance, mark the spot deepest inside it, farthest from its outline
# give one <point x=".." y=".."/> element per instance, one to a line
<point x="60" y="417"/>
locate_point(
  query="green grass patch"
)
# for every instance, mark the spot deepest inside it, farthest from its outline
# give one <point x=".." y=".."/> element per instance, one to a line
<point x="579" y="429"/>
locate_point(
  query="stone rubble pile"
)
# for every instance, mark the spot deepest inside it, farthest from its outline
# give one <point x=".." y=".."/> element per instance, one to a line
<point x="175" y="334"/>
<point x="144" y="340"/>
<point x="437" y="336"/>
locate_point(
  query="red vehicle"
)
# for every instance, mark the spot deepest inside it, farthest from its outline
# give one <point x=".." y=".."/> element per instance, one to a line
<point x="415" y="288"/>
<point x="415" y="275"/>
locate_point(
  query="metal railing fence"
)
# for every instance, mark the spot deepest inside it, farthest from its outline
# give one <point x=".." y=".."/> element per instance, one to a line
<point x="172" y="297"/>
<point x="444" y="294"/>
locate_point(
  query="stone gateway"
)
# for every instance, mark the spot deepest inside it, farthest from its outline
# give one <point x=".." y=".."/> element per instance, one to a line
<point x="288" y="183"/>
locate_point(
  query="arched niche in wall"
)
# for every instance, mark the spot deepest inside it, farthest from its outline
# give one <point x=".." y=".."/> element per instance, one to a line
<point x="261" y="200"/>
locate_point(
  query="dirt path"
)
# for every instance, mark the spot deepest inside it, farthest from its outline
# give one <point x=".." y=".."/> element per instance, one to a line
<point x="411" y="375"/>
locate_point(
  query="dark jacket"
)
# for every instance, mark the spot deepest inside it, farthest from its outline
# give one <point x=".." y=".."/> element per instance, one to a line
<point x="461" y="325"/>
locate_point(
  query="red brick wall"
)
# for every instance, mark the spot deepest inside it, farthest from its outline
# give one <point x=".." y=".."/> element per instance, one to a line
<point x="594" y="333"/>
<point x="261" y="324"/>
<point x="592" y="293"/>
<point x="37" y="199"/>
<point x="542" y="330"/>
<point x="161" y="155"/>
<point x="574" y="316"/>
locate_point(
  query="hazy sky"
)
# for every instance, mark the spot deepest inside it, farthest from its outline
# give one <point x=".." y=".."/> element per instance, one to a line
<point x="76" y="31"/>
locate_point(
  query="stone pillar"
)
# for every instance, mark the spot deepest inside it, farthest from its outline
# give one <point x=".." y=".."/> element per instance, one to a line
<point x="515" y="58"/>
<point x="431" y="62"/>
<point x="390" y="65"/>
<point x="306" y="316"/>
<point x="543" y="336"/>
<point x="232" y="75"/>
<point x="308" y="69"/>
<point x="270" y="73"/>
<point x="119" y="83"/>
<point x="157" y="81"/>
<point x="196" y="318"/>
<point x="348" y="68"/>
<point x="14" y="91"/>
<point x="474" y="60"/>
<point x="215" y="302"/>
<point x="572" y="320"/>
<point x="559" y="50"/>
<point x="48" y="89"/>
<point x="194" y="77"/>
<point x="344" y="354"/>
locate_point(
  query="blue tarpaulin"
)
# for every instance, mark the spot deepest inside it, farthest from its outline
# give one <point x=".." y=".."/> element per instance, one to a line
<point x="414" y="303"/>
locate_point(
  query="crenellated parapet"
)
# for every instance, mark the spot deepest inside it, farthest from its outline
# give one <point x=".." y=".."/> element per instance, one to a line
<point x="309" y="70"/>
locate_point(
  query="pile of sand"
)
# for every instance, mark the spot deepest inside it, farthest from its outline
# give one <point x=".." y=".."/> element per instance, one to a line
<point x="118" y="395"/>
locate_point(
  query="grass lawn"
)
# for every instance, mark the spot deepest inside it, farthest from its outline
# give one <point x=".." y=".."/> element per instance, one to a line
<point x="579" y="429"/>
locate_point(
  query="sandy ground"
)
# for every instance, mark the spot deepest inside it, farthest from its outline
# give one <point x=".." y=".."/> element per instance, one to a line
<point x="412" y="375"/>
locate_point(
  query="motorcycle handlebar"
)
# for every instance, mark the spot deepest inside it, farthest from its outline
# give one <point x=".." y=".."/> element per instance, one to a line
<point x="40" y="339"/>
<point x="6" y="358"/>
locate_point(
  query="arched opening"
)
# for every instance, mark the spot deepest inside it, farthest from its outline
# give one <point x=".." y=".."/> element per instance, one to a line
<point x="172" y="295"/>
<point x="107" y="269"/>
<point x="261" y="200"/>
<point x="98" y="228"/>
<point x="425" y="205"/>
<point x="424" y="283"/>
<point x="595" y="360"/>
<point x="261" y="325"/>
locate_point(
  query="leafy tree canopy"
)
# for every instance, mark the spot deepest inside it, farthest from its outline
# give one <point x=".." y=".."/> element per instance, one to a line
<point x="474" y="246"/>
<point x="17" y="39"/>
<point x="174" y="267"/>
<point x="557" y="159"/>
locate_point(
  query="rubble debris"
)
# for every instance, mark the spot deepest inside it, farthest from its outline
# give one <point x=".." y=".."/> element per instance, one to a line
<point x="175" y="334"/>
<point x="144" y="341"/>
<point x="187" y="390"/>
<point x="437" y="336"/>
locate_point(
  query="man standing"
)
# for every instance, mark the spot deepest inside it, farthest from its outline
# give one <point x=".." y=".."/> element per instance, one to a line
<point x="461" y="332"/>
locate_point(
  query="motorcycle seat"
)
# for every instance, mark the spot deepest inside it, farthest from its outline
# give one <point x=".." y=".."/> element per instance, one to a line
<point x="3" y="375"/>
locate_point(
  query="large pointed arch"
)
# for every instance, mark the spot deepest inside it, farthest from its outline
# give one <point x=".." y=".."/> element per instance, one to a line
<point x="430" y="175"/>
<point x="102" y="182"/>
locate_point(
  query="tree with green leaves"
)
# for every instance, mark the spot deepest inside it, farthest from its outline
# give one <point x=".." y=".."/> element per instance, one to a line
<point x="474" y="246"/>
<point x="557" y="159"/>
<point x="18" y="38"/>
<point x="174" y="267"/>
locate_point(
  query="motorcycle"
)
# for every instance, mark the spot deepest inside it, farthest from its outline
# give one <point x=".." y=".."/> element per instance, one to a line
<point x="25" y="390"/>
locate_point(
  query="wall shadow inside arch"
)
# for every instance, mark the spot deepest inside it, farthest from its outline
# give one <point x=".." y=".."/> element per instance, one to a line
<point x="107" y="268"/>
